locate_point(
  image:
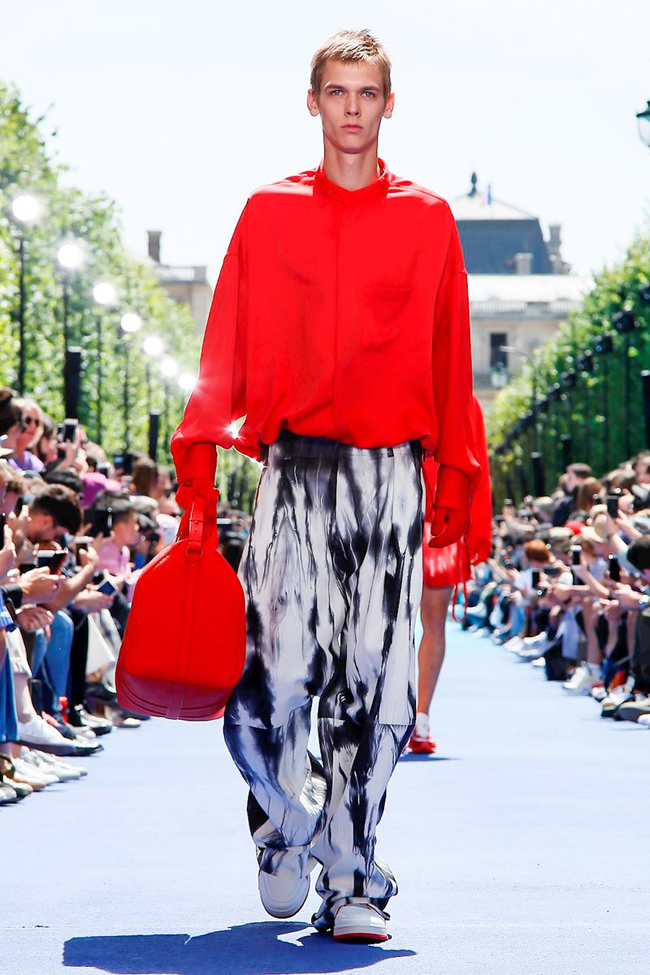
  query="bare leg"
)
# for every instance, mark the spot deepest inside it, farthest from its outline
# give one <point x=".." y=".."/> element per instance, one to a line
<point x="433" y="610"/>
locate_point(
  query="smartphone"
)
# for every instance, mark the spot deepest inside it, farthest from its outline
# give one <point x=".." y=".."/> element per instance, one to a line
<point x="3" y="522"/>
<point x="553" y="570"/>
<point x="99" y="576"/>
<point x="508" y="503"/>
<point x="576" y="552"/>
<point x="81" y="543"/>
<point x="69" y="430"/>
<point x="536" y="574"/>
<point x="541" y="591"/>
<point x="612" y="505"/>
<point x="102" y="522"/>
<point x="108" y="588"/>
<point x="52" y="560"/>
<point x="614" y="568"/>
<point x="104" y="469"/>
<point x="26" y="567"/>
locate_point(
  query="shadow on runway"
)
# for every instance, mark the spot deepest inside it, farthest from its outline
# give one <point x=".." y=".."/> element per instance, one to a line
<point x="254" y="949"/>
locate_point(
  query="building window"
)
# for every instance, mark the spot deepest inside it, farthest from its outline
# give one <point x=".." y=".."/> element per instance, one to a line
<point x="498" y="358"/>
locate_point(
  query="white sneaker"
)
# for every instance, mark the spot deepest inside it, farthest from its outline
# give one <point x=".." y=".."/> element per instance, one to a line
<point x="284" y="893"/>
<point x="514" y="644"/>
<point x="37" y="733"/>
<point x="538" y="662"/>
<point x="47" y="763"/>
<point x="644" y="720"/>
<point x="27" y="773"/>
<point x="540" y="642"/>
<point x="582" y="681"/>
<point x="358" y="920"/>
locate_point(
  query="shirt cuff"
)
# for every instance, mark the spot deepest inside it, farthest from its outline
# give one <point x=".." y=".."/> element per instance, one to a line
<point x="452" y="489"/>
<point x="200" y="462"/>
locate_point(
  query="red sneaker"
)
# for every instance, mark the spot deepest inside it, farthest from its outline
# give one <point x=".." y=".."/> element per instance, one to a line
<point x="421" y="745"/>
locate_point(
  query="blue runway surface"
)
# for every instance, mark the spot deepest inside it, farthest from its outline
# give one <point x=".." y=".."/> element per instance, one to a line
<point x="522" y="848"/>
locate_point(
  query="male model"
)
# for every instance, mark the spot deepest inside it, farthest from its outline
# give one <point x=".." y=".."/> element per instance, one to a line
<point x="445" y="569"/>
<point x="339" y="327"/>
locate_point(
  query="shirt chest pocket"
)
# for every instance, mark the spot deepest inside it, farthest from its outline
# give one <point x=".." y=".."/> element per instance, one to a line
<point x="385" y="314"/>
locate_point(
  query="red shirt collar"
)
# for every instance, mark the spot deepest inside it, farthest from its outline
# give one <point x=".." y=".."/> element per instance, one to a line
<point x="378" y="187"/>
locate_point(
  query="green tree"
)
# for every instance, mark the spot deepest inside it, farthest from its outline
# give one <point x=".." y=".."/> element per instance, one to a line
<point x="94" y="220"/>
<point x="592" y="411"/>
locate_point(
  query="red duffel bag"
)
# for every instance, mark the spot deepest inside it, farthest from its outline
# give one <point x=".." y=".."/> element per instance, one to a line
<point x="183" y="650"/>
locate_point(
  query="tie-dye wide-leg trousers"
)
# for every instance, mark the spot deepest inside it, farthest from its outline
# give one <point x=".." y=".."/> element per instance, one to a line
<point x="332" y="574"/>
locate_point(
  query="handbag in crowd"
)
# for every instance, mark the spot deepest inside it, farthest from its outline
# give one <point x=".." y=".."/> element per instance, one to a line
<point x="183" y="649"/>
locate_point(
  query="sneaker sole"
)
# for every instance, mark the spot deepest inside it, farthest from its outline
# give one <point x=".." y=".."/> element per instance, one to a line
<point x="283" y="913"/>
<point x="361" y="937"/>
<point x="52" y="749"/>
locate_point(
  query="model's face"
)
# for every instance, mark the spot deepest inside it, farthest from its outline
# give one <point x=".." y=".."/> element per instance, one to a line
<point x="351" y="105"/>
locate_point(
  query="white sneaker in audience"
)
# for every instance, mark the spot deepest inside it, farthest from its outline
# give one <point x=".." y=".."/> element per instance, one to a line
<point x="585" y="677"/>
<point x="644" y="721"/>
<point x="514" y="644"/>
<point x="37" y="733"/>
<point x="34" y="777"/>
<point x="539" y="662"/>
<point x="42" y="763"/>
<point x="539" y="642"/>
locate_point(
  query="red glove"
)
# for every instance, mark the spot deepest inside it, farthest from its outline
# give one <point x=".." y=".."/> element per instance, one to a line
<point x="451" y="507"/>
<point x="197" y="487"/>
<point x="448" y="526"/>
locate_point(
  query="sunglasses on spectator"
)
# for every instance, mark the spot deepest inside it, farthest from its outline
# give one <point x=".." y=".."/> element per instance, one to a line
<point x="28" y="420"/>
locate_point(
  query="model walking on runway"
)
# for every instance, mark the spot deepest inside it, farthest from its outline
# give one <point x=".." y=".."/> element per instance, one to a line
<point x="339" y="328"/>
<point x="444" y="569"/>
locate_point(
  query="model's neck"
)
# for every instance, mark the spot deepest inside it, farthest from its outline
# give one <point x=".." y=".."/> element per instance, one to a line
<point x="351" y="170"/>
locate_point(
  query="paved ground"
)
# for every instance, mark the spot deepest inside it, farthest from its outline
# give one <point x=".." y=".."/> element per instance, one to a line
<point x="522" y="850"/>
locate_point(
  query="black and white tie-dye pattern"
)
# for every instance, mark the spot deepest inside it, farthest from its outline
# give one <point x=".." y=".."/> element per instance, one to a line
<point x="332" y="573"/>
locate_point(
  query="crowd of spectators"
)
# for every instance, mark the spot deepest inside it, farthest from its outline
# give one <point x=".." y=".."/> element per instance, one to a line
<point x="76" y="530"/>
<point x="567" y="586"/>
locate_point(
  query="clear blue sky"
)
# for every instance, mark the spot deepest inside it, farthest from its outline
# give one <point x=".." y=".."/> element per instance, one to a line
<point x="178" y="110"/>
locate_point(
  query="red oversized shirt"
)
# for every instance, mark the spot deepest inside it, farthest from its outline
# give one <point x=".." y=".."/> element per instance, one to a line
<point x="343" y="314"/>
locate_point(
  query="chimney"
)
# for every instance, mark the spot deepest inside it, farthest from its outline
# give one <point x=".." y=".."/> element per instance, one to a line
<point x="554" y="239"/>
<point x="154" y="244"/>
<point x="523" y="263"/>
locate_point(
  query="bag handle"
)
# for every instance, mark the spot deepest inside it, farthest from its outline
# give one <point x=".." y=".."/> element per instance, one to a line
<point x="196" y="526"/>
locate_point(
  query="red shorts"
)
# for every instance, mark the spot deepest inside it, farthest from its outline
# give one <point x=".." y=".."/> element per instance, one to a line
<point x="444" y="566"/>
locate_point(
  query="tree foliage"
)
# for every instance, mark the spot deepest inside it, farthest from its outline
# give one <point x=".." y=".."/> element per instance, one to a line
<point x="94" y="220"/>
<point x="593" y="411"/>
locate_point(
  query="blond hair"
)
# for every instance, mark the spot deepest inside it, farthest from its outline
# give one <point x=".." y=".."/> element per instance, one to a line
<point x="349" y="46"/>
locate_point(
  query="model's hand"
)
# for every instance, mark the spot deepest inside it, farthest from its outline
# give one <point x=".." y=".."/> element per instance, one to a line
<point x="198" y="487"/>
<point x="448" y="526"/>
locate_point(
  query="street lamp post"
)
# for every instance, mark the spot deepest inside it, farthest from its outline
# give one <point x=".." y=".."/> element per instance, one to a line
<point x="130" y="323"/>
<point x="25" y="210"/>
<point x="105" y="296"/>
<point x="70" y="258"/>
